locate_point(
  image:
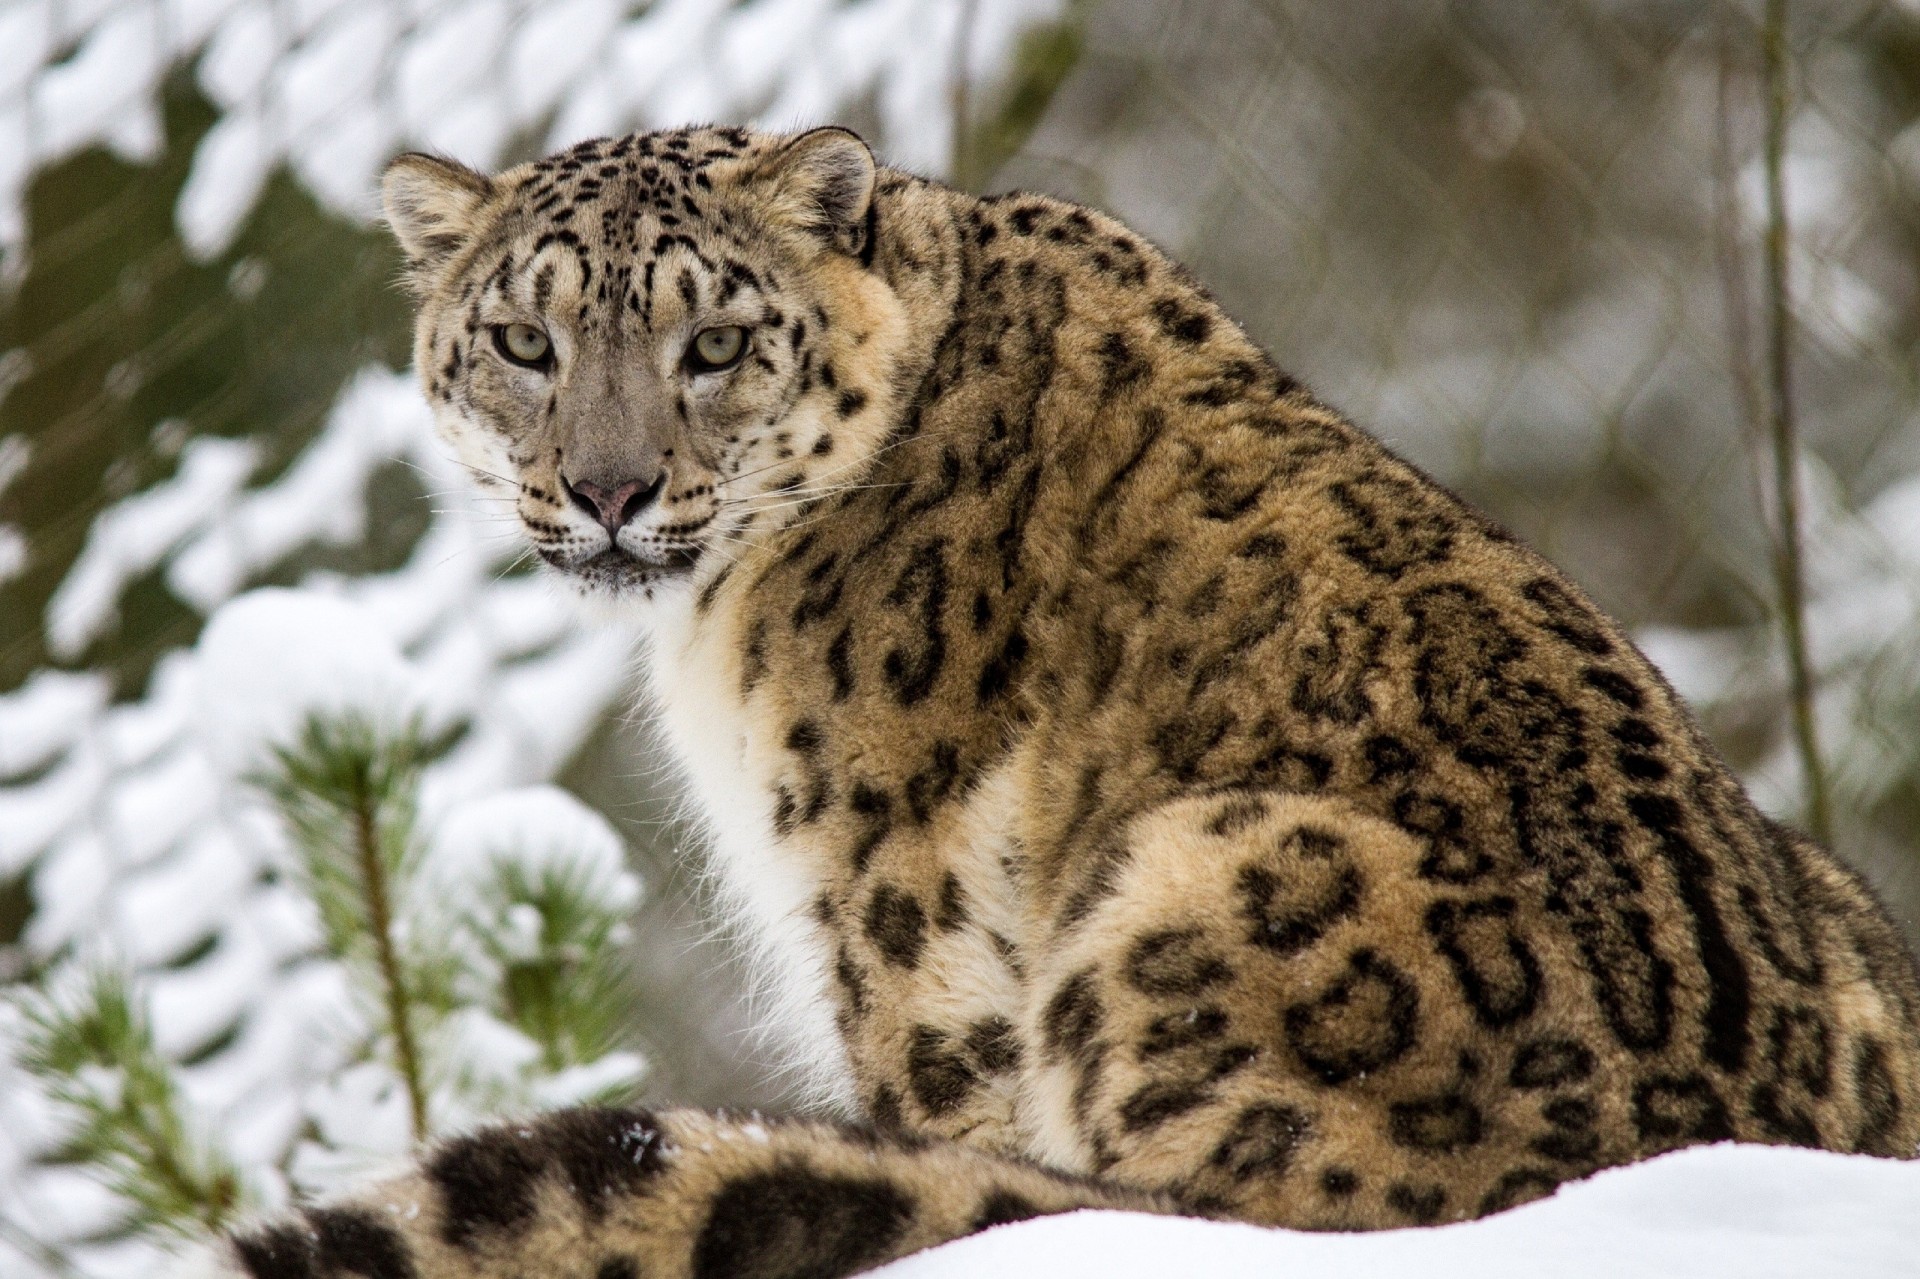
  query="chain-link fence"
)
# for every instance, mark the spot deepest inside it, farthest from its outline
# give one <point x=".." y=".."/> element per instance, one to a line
<point x="1526" y="244"/>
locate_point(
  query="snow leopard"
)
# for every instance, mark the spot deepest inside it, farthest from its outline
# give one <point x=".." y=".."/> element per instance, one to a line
<point x="1138" y="787"/>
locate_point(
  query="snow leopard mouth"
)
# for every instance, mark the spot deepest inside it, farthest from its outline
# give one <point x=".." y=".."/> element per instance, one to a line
<point x="614" y="570"/>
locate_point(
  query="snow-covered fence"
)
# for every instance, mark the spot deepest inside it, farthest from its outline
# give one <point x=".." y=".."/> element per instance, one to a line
<point x="334" y="88"/>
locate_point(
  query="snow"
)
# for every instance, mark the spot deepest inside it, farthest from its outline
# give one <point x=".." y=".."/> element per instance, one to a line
<point x="44" y="716"/>
<point x="301" y="1033"/>
<point x="15" y="451"/>
<point x="150" y="843"/>
<point x="240" y="57"/>
<point x="146" y="841"/>
<point x="102" y="91"/>
<point x="65" y="1202"/>
<point x="132" y="536"/>
<point x="540" y="828"/>
<point x="455" y="50"/>
<point x="70" y="884"/>
<point x="13" y="553"/>
<point x="594" y="1079"/>
<point x="133" y="733"/>
<point x="14" y="454"/>
<point x="276" y="658"/>
<point x="319" y="499"/>
<point x="552" y="45"/>
<point x="188" y="23"/>
<point x="1716" y="1212"/>
<point x="361" y="1115"/>
<point x="156" y="807"/>
<point x="192" y="1006"/>
<point x="334" y="166"/>
<point x="229" y="169"/>
<point x="26" y="38"/>
<point x="1863" y="574"/>
<point x="337" y="65"/>
<point x="135" y="820"/>
<point x="1719" y="1212"/>
<point x="494" y="1052"/>
<point x="332" y="89"/>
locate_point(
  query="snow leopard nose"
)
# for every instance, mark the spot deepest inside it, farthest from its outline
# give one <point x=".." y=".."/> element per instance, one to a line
<point x="614" y="507"/>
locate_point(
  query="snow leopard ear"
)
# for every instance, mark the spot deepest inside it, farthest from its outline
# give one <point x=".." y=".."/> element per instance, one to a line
<point x="431" y="205"/>
<point x="824" y="179"/>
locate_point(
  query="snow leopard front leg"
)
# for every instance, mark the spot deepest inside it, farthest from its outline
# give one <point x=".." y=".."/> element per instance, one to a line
<point x="616" y="1194"/>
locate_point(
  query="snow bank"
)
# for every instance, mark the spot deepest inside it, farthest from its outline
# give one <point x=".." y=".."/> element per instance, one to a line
<point x="1716" y="1212"/>
<point x="273" y="659"/>
<point x="540" y="828"/>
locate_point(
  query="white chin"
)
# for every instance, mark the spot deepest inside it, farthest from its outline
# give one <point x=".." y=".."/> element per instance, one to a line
<point x="598" y="606"/>
<point x="612" y="598"/>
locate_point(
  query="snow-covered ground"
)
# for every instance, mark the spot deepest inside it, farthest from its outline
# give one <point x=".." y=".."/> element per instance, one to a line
<point x="1718" y="1212"/>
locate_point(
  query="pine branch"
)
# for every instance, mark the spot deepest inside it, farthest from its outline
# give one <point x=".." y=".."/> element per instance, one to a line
<point x="347" y="793"/>
<point x="94" y="1052"/>
<point x="563" y="981"/>
<point x="50" y="1258"/>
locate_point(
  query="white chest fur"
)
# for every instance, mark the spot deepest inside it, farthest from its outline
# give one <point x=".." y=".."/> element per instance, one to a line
<point x="729" y="766"/>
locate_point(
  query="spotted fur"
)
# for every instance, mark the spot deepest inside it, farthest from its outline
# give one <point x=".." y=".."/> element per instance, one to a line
<point x="1140" y="788"/>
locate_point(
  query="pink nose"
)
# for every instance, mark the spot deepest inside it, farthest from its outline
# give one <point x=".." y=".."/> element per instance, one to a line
<point x="613" y="507"/>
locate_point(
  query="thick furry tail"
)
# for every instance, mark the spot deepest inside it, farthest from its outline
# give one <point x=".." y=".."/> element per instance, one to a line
<point x="617" y="1194"/>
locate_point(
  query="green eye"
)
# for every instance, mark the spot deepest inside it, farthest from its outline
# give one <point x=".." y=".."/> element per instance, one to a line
<point x="522" y="343"/>
<point x="717" y="348"/>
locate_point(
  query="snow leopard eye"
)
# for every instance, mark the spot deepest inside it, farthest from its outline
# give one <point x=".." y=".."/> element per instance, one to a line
<point x="523" y="344"/>
<point x="715" y="349"/>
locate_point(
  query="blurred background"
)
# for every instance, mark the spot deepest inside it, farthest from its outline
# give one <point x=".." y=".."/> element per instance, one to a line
<point x="1540" y="249"/>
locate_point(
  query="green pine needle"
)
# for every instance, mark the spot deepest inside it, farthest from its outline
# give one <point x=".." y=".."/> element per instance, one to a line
<point x="94" y="1052"/>
<point x="347" y="792"/>
<point x="346" y="789"/>
<point x="569" y="990"/>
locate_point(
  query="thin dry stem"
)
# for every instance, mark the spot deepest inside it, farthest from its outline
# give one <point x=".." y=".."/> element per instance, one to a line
<point x="1783" y="429"/>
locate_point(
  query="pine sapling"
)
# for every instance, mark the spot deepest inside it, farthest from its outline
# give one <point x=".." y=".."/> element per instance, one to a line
<point x="493" y="954"/>
<point x="347" y="792"/>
